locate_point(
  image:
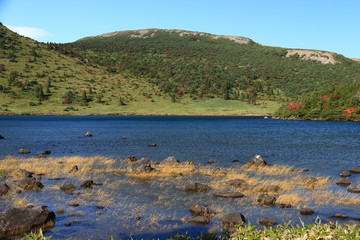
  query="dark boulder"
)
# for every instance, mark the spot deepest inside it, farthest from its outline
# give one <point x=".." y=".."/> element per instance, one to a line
<point x="16" y="221"/>
<point x="266" y="200"/>
<point x="257" y="161"/>
<point x="354" y="170"/>
<point x="343" y="183"/>
<point x="341" y="216"/>
<point x="237" y="183"/>
<point x="211" y="161"/>
<point x="306" y="211"/>
<point x="67" y="187"/>
<point x="46" y="152"/>
<point x="1" y="137"/>
<point x="345" y="174"/>
<point x="4" y="189"/>
<point x="170" y="161"/>
<point x="229" y="195"/>
<point x="353" y="190"/>
<point x="198" y="210"/>
<point x="88" y="134"/>
<point x="283" y="205"/>
<point x="24" y="151"/>
<point x="142" y="165"/>
<point x="130" y="159"/>
<point x="267" y="222"/>
<point x="199" y="220"/>
<point x="88" y="184"/>
<point x="26" y="181"/>
<point x="233" y="219"/>
<point x="196" y="187"/>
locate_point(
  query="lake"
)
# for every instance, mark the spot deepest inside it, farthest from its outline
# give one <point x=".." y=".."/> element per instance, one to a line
<point x="325" y="148"/>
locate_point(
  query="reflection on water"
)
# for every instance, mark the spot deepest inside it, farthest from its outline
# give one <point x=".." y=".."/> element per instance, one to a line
<point x="125" y="206"/>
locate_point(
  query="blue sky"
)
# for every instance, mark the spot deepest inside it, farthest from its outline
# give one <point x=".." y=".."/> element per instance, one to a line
<point x="331" y="25"/>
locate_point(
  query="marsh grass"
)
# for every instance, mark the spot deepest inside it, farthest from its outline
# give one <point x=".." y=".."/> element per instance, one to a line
<point x="56" y="167"/>
<point x="126" y="195"/>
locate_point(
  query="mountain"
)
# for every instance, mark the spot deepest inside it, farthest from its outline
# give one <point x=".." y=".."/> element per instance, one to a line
<point x="166" y="72"/>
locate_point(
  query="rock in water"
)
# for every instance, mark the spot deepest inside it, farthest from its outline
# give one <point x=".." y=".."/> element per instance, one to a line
<point x="24" y="151"/>
<point x="196" y="187"/>
<point x="170" y="161"/>
<point x="68" y="187"/>
<point x="306" y="211"/>
<point x="233" y="219"/>
<point x="198" y="210"/>
<point x="199" y="220"/>
<point x="142" y="165"/>
<point x="88" y="134"/>
<point x="354" y="170"/>
<point x="343" y="183"/>
<point x="88" y="184"/>
<point x="266" y="200"/>
<point x="16" y="221"/>
<point x="229" y="195"/>
<point x="257" y="161"/>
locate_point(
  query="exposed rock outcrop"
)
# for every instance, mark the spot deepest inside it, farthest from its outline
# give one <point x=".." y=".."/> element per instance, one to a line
<point x="16" y="221"/>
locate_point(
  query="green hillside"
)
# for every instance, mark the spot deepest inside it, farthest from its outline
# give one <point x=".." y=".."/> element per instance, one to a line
<point x="163" y="72"/>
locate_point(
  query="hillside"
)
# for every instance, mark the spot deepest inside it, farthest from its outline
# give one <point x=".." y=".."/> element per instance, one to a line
<point x="156" y="71"/>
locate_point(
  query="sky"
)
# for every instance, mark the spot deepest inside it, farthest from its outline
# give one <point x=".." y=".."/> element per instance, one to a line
<point x="329" y="25"/>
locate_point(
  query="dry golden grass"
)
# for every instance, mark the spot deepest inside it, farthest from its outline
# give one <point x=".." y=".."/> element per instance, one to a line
<point x="275" y="170"/>
<point x="292" y="199"/>
<point x="58" y="166"/>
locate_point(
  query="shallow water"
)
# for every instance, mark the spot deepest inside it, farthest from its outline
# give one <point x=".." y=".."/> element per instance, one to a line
<point x="326" y="148"/>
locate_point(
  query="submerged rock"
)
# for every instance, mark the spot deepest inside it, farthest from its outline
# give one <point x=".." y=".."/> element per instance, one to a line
<point x="198" y="210"/>
<point x="341" y="216"/>
<point x="354" y="170"/>
<point x="266" y="200"/>
<point x="237" y="183"/>
<point x="267" y="222"/>
<point x="199" y="220"/>
<point x="354" y="190"/>
<point x="2" y="137"/>
<point x="196" y="187"/>
<point x="68" y="187"/>
<point x="343" y="183"/>
<point x="16" y="221"/>
<point x="229" y="195"/>
<point x="306" y="211"/>
<point x="233" y="219"/>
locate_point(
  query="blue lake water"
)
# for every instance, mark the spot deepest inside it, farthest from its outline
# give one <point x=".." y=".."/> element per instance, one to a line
<point x="325" y="148"/>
